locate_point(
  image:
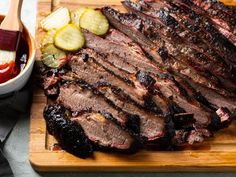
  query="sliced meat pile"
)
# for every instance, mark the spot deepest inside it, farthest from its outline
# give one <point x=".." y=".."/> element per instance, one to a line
<point x="164" y="74"/>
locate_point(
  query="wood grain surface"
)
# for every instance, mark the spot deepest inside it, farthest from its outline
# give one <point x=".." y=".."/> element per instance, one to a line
<point x="216" y="154"/>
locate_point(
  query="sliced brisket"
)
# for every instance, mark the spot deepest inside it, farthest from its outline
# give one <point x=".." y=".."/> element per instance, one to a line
<point x="167" y="94"/>
<point x="80" y="100"/>
<point x="211" y="33"/>
<point x="126" y="23"/>
<point x="177" y="87"/>
<point x="121" y="100"/>
<point x="220" y="14"/>
<point x="190" y="31"/>
<point x="200" y="59"/>
<point x="100" y="76"/>
<point x="105" y="134"/>
<point x="166" y="86"/>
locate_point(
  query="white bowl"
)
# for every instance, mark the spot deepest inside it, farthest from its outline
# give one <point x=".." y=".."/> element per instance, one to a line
<point x="21" y="79"/>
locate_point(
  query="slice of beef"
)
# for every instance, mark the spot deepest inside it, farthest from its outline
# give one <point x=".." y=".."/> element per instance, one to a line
<point x="69" y="134"/>
<point x="123" y="71"/>
<point x="202" y="116"/>
<point x="167" y="87"/>
<point x="127" y="21"/>
<point x="106" y="46"/>
<point x="80" y="100"/>
<point x="218" y="6"/>
<point x="216" y="100"/>
<point x="193" y="93"/>
<point x="118" y="37"/>
<point x="105" y="134"/>
<point x="151" y="125"/>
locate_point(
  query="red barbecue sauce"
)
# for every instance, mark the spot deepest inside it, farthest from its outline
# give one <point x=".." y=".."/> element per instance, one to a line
<point x="13" y="68"/>
<point x="8" y="71"/>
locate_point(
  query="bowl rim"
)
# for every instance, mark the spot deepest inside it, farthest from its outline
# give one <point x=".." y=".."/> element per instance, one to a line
<point x="31" y="58"/>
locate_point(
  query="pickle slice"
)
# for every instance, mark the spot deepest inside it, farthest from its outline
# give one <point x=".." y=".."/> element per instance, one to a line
<point x="56" y="19"/>
<point x="75" y="16"/>
<point x="69" y="38"/>
<point x="48" y="38"/>
<point x="94" y="21"/>
<point x="53" y="57"/>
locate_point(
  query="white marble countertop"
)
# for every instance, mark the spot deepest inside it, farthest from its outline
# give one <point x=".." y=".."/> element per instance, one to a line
<point x="16" y="147"/>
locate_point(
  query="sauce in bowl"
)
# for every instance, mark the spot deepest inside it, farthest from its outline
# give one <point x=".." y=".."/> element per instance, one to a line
<point x="12" y="69"/>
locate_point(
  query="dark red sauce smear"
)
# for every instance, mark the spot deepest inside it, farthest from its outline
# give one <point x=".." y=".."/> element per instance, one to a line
<point x="12" y="69"/>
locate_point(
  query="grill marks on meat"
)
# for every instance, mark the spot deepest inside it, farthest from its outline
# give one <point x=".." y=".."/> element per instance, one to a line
<point x="198" y="24"/>
<point x="212" y="34"/>
<point x="125" y="23"/>
<point x="187" y="29"/>
<point x="200" y="59"/>
<point x="220" y="14"/>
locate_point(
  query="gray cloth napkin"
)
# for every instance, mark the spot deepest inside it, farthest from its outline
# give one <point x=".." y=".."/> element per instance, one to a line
<point x="11" y="107"/>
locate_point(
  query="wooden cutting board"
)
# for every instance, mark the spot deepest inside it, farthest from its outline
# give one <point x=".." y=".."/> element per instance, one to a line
<point x="216" y="154"/>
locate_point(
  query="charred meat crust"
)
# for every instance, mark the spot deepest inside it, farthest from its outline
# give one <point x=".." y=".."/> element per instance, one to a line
<point x="69" y="134"/>
<point x="191" y="14"/>
<point x="88" y="132"/>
